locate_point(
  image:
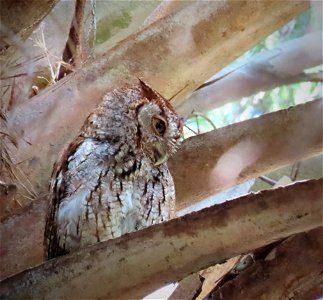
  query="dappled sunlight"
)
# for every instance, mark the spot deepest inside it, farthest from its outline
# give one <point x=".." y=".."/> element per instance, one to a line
<point x="234" y="161"/>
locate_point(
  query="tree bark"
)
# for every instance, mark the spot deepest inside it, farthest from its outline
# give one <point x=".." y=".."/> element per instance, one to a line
<point x="292" y="269"/>
<point x="137" y="263"/>
<point x="267" y="70"/>
<point x="211" y="162"/>
<point x="164" y="9"/>
<point x="185" y="54"/>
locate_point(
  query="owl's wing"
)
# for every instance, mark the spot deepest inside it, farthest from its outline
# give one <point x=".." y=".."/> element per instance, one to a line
<point x="75" y="176"/>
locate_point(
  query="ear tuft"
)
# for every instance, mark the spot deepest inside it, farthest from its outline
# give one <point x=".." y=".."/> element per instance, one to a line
<point x="148" y="92"/>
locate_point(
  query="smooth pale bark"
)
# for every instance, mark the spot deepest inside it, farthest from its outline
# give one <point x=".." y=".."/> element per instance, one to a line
<point x="291" y="270"/>
<point x="214" y="161"/>
<point x="136" y="264"/>
<point x="178" y="52"/>
<point x="267" y="70"/>
<point x="279" y="138"/>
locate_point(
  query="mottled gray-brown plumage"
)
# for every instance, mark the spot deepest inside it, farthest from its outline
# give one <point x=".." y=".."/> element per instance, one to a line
<point x="113" y="178"/>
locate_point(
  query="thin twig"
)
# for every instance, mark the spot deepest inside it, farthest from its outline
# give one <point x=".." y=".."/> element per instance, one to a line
<point x="230" y="72"/>
<point x="197" y="124"/>
<point x="219" y="78"/>
<point x="177" y="93"/>
<point x="199" y="114"/>
<point x="294" y="171"/>
<point x="40" y="42"/>
<point x="46" y="53"/>
<point x="196" y="115"/>
<point x="267" y="180"/>
<point x="313" y="77"/>
<point x="191" y="129"/>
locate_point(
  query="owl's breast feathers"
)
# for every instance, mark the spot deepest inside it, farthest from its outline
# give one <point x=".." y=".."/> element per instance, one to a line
<point x="101" y="190"/>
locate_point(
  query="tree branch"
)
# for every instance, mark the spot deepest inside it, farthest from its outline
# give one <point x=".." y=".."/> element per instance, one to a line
<point x="265" y="71"/>
<point x="136" y="264"/>
<point x="211" y="162"/>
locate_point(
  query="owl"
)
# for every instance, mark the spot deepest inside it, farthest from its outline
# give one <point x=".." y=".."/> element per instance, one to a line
<point x="113" y="178"/>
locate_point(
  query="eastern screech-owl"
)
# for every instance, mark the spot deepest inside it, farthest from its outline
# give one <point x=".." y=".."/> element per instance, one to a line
<point x="113" y="178"/>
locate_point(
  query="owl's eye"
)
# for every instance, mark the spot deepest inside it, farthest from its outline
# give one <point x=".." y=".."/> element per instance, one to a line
<point x="159" y="125"/>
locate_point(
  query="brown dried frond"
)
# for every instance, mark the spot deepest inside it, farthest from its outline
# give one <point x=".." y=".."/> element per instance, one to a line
<point x="73" y="52"/>
<point x="9" y="171"/>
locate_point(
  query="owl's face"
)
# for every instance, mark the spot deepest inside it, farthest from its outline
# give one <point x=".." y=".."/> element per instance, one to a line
<point x="160" y="130"/>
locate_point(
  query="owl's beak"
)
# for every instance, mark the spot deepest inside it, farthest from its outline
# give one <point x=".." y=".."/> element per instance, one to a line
<point x="159" y="157"/>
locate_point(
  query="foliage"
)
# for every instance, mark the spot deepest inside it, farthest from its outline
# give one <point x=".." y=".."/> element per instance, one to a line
<point x="107" y="24"/>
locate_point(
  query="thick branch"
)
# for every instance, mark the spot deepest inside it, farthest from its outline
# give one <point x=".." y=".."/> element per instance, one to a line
<point x="211" y="162"/>
<point x="277" y="67"/>
<point x="136" y="264"/>
<point x="300" y="259"/>
<point x="187" y="47"/>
